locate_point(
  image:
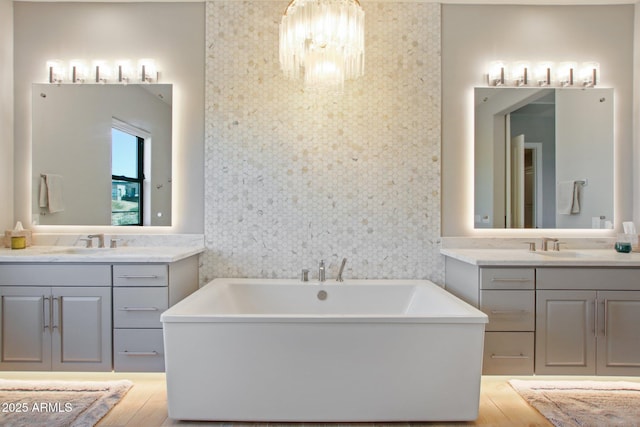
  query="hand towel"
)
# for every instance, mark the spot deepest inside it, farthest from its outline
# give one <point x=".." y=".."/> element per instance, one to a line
<point x="567" y="198"/>
<point x="53" y="186"/>
<point x="42" y="199"/>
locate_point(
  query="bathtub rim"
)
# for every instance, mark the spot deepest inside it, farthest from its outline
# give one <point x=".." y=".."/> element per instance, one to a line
<point x="471" y="314"/>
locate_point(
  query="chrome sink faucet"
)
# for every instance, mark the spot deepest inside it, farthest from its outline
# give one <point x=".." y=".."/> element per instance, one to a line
<point x="100" y="239"/>
<point x="545" y="242"/>
<point x="321" y="271"/>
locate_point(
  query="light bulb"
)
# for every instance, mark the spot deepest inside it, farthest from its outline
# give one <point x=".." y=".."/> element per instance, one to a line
<point x="497" y="73"/>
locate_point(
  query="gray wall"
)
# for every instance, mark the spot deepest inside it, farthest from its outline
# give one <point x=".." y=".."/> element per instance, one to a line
<point x="584" y="152"/>
<point x="6" y="115"/>
<point x="635" y="196"/>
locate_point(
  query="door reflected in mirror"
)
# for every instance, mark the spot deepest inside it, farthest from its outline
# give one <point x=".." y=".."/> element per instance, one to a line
<point x="101" y="154"/>
<point x="543" y="158"/>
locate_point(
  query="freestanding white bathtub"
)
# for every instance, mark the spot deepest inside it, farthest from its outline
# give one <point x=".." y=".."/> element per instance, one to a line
<point x="360" y="350"/>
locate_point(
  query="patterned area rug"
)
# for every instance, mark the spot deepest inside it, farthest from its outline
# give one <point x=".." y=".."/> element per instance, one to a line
<point x="583" y="403"/>
<point x="58" y="403"/>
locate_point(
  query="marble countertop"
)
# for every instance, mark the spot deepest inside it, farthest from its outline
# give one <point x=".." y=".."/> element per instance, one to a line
<point x="75" y="254"/>
<point x="522" y="257"/>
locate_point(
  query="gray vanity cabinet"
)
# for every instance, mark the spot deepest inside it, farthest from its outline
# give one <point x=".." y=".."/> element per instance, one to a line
<point x="88" y="317"/>
<point x="64" y="328"/>
<point x="561" y="320"/>
<point x="141" y="292"/>
<point x="588" y="332"/>
<point x="587" y="321"/>
<point x="507" y="296"/>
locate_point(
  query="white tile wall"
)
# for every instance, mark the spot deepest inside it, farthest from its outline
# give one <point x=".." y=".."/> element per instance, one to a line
<point x="292" y="177"/>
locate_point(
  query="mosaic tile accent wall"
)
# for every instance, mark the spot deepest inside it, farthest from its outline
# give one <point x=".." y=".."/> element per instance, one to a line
<point x="292" y="177"/>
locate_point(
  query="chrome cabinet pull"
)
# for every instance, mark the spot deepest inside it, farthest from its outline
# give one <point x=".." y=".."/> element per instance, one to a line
<point x="595" y="317"/>
<point x="138" y="309"/>
<point x="141" y="276"/>
<point x="138" y="353"/>
<point x="46" y="313"/>
<point x="509" y="312"/>
<point x="606" y="303"/>
<point x="56" y="313"/>
<point x="506" y="279"/>
<point x="507" y="356"/>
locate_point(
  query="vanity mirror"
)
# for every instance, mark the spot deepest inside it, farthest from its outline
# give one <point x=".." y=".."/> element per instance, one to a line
<point x="101" y="154"/>
<point x="543" y="157"/>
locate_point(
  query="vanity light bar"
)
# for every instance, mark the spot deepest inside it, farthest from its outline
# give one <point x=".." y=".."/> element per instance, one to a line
<point x="521" y="73"/>
<point x="119" y="71"/>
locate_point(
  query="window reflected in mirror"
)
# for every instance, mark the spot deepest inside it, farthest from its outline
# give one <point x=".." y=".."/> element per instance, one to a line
<point x="127" y="176"/>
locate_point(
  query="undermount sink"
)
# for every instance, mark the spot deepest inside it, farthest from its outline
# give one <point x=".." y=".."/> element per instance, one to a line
<point x="84" y="251"/>
<point x="563" y="254"/>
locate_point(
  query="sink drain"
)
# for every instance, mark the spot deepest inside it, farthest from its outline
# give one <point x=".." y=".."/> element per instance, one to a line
<point x="322" y="295"/>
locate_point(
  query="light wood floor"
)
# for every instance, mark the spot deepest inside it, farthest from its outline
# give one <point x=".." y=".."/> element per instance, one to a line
<point x="145" y="405"/>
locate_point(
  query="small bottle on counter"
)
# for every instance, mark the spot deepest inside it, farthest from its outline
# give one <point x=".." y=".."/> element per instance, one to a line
<point x="18" y="242"/>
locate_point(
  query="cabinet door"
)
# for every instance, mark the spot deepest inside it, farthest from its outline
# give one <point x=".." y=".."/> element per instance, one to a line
<point x="81" y="329"/>
<point x="25" y="328"/>
<point x="565" y="332"/>
<point x="618" y="333"/>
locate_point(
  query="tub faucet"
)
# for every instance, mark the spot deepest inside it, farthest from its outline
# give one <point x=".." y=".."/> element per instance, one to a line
<point x="339" y="276"/>
<point x="321" y="271"/>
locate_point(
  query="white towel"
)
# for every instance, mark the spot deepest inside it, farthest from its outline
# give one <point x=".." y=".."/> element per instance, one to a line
<point x="42" y="199"/>
<point x="51" y="193"/>
<point x="567" y="198"/>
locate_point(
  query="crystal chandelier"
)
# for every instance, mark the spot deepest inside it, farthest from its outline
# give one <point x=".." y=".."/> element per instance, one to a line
<point x="324" y="41"/>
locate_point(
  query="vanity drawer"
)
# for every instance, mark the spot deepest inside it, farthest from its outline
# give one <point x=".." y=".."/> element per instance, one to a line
<point x="622" y="279"/>
<point x="139" y="307"/>
<point x="508" y="353"/>
<point x="141" y="275"/>
<point x="509" y="310"/>
<point x="52" y="274"/>
<point x="507" y="278"/>
<point x="138" y="350"/>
